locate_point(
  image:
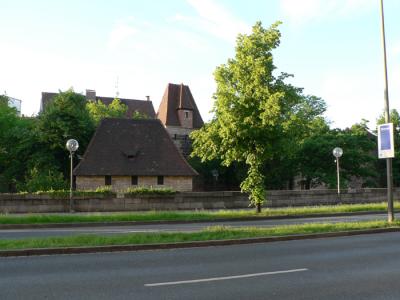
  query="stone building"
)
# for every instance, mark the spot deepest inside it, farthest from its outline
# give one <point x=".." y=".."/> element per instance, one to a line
<point x="144" y="107"/>
<point x="180" y="116"/>
<point x="127" y="153"/>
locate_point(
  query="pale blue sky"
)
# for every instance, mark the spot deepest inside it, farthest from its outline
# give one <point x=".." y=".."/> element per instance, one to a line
<point x="333" y="47"/>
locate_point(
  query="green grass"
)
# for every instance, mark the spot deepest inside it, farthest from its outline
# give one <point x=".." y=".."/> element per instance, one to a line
<point x="211" y="233"/>
<point x="188" y="215"/>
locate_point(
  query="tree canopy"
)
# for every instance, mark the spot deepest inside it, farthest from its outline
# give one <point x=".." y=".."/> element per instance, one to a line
<point x="98" y="110"/>
<point x="257" y="116"/>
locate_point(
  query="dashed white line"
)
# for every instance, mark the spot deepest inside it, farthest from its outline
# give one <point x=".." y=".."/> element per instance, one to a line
<point x="224" y="278"/>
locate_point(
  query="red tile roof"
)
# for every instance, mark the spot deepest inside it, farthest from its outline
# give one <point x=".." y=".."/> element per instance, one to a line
<point x="178" y="96"/>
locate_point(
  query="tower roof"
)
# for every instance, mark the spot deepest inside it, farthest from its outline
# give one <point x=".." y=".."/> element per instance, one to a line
<point x="178" y="97"/>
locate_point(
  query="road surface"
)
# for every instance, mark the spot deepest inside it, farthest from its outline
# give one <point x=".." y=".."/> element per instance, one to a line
<point x="358" y="267"/>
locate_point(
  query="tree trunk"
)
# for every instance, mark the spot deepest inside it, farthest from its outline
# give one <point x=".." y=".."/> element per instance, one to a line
<point x="258" y="208"/>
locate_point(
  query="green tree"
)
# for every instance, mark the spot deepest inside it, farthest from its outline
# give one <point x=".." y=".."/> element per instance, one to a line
<point x="137" y="115"/>
<point x="64" y="118"/>
<point x="98" y="110"/>
<point x="316" y="162"/>
<point x="17" y="144"/>
<point x="257" y="116"/>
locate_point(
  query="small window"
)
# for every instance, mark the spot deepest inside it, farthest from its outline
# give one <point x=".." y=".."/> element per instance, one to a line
<point x="160" y="180"/>
<point x="186" y="115"/>
<point x="134" y="180"/>
<point x="107" y="180"/>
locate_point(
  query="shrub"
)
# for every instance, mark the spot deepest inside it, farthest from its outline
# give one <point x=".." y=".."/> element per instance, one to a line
<point x="43" y="180"/>
<point x="141" y="190"/>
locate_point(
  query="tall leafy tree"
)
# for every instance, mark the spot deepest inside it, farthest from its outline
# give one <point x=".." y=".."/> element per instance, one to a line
<point x="257" y="116"/>
<point x="98" y="110"/>
<point x="17" y="144"/>
<point x="64" y="118"/>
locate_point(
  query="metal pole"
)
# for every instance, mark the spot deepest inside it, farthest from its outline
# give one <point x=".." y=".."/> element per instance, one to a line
<point x="338" y="177"/>
<point x="389" y="177"/>
<point x="70" y="185"/>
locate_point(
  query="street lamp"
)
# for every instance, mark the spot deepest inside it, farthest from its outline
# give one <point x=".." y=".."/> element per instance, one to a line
<point x="72" y="145"/>
<point x="337" y="152"/>
<point x="389" y="175"/>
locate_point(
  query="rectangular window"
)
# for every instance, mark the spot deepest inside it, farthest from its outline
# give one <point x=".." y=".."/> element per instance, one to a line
<point x="160" y="180"/>
<point x="134" y="180"/>
<point x="107" y="180"/>
<point x="186" y="115"/>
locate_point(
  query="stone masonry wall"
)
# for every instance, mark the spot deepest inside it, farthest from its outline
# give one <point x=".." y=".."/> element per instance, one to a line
<point x="13" y="203"/>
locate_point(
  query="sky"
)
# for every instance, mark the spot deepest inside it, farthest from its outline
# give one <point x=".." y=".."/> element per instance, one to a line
<point x="332" y="47"/>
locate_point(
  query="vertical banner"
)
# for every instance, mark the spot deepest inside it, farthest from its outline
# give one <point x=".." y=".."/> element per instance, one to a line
<point x="385" y="141"/>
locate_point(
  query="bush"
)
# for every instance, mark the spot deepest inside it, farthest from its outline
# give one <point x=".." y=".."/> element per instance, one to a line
<point x="141" y="190"/>
<point x="43" y="180"/>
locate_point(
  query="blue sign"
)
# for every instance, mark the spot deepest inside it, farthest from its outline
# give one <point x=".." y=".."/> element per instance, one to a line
<point x="385" y="141"/>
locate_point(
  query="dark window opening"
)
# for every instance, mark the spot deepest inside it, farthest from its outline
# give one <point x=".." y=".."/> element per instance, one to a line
<point x="186" y="115"/>
<point x="131" y="156"/>
<point x="134" y="180"/>
<point x="160" y="180"/>
<point x="107" y="180"/>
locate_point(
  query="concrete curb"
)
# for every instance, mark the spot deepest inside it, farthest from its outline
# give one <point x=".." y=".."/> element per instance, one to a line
<point x="122" y="248"/>
<point x="132" y="223"/>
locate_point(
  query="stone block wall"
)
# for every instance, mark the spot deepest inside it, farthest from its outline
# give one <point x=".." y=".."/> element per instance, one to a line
<point x="13" y="203"/>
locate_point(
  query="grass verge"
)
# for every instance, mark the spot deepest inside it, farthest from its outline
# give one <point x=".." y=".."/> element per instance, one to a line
<point x="211" y="233"/>
<point x="190" y="215"/>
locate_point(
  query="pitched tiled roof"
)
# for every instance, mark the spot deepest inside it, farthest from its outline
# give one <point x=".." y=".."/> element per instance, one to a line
<point x="178" y="96"/>
<point x="141" y="106"/>
<point x="125" y="147"/>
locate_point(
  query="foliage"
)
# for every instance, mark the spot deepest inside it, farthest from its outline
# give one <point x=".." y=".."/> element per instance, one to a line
<point x="257" y="115"/>
<point x="136" y="115"/>
<point x="17" y="144"/>
<point x="317" y="164"/>
<point x="43" y="180"/>
<point x="64" y="118"/>
<point x="98" y="110"/>
<point x="141" y="190"/>
<point x="227" y="177"/>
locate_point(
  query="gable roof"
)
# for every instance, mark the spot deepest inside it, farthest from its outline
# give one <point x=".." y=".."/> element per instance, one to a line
<point x="178" y="96"/>
<point x="142" y="106"/>
<point x="125" y="147"/>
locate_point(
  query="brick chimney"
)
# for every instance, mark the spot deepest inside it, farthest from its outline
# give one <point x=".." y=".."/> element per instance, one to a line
<point x="148" y="98"/>
<point x="91" y="95"/>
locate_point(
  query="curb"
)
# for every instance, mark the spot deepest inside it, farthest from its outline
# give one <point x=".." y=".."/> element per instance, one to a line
<point x="198" y="244"/>
<point x="132" y="223"/>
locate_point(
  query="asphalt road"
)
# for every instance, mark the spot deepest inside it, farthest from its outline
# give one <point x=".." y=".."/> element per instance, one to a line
<point x="26" y="233"/>
<point x="358" y="267"/>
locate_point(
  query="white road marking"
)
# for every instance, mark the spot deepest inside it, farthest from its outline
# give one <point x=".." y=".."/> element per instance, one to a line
<point x="224" y="278"/>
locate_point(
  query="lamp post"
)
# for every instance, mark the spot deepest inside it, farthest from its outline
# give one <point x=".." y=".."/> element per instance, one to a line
<point x="72" y="145"/>
<point x="338" y="152"/>
<point x="389" y="176"/>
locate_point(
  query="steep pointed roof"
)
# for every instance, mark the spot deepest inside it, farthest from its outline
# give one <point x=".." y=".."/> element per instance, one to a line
<point x="125" y="147"/>
<point x="178" y="96"/>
